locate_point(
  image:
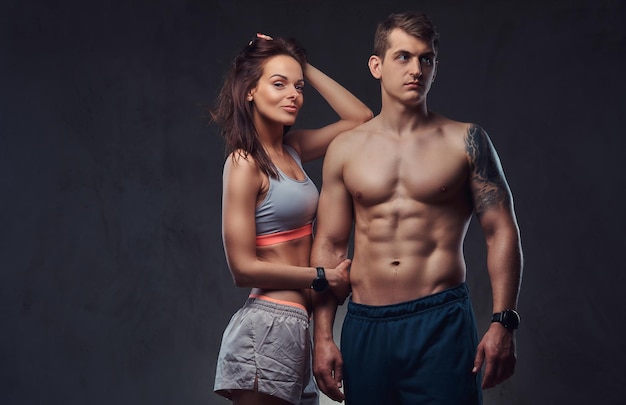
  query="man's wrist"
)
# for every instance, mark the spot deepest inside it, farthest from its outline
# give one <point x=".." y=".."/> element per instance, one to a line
<point x="323" y="337"/>
<point x="509" y="318"/>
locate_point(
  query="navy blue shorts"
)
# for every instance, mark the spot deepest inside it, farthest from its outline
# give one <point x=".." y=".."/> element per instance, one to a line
<point x="415" y="352"/>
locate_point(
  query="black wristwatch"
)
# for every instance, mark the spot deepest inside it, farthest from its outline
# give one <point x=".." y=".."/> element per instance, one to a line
<point x="320" y="284"/>
<point x="509" y="318"/>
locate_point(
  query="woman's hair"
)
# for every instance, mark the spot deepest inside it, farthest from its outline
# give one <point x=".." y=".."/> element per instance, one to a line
<point x="233" y="112"/>
<point x="413" y="23"/>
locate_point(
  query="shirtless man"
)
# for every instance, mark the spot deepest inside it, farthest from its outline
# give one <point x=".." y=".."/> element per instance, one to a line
<point x="411" y="180"/>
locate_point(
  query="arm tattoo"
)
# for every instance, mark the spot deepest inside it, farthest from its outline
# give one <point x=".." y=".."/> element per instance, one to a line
<point x="488" y="186"/>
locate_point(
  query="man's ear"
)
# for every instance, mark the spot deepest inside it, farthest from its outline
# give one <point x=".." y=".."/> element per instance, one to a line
<point x="375" y="65"/>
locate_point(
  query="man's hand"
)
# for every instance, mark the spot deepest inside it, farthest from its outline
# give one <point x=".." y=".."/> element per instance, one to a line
<point x="339" y="281"/>
<point x="327" y="368"/>
<point x="497" y="352"/>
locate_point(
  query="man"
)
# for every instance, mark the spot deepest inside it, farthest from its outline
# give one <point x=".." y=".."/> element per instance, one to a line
<point x="411" y="180"/>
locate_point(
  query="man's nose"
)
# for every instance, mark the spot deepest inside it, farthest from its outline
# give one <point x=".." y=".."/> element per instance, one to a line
<point x="416" y="68"/>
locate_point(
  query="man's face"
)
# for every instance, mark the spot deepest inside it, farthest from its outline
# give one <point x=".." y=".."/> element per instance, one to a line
<point x="407" y="70"/>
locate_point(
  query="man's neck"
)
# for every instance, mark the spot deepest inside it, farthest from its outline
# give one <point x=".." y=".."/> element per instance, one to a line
<point x="399" y="118"/>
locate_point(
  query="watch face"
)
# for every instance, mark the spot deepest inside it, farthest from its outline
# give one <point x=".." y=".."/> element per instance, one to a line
<point x="320" y="284"/>
<point x="510" y="319"/>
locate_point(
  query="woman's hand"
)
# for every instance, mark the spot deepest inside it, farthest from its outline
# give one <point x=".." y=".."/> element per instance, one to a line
<point x="263" y="36"/>
<point x="339" y="280"/>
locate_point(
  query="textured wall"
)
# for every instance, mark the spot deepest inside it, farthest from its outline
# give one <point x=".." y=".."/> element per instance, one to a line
<point x="113" y="283"/>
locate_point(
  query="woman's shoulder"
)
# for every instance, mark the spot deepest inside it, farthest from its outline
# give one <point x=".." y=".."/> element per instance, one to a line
<point x="241" y="161"/>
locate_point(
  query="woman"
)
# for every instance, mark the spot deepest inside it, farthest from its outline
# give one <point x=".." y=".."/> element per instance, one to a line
<point x="268" y="208"/>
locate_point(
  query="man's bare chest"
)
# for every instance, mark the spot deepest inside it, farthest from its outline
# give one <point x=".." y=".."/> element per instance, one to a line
<point x="380" y="174"/>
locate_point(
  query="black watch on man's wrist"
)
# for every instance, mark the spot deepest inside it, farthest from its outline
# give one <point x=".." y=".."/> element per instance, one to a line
<point x="509" y="318"/>
<point x="320" y="284"/>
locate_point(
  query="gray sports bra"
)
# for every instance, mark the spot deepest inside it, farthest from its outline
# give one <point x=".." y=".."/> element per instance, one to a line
<point x="289" y="204"/>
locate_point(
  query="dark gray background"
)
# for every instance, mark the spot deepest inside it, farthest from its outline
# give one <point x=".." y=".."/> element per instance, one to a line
<point x="113" y="283"/>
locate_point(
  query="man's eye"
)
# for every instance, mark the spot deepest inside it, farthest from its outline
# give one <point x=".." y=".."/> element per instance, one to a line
<point x="403" y="57"/>
<point x="427" y="60"/>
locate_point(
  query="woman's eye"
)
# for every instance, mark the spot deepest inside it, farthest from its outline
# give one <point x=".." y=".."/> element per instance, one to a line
<point x="279" y="84"/>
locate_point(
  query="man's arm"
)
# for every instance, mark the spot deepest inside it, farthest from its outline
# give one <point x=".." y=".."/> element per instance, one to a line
<point x="493" y="205"/>
<point x="330" y="246"/>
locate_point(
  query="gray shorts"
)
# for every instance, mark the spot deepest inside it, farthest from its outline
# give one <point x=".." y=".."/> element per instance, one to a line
<point x="267" y="343"/>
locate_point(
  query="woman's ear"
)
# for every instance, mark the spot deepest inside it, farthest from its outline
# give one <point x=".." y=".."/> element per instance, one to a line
<point x="250" y="94"/>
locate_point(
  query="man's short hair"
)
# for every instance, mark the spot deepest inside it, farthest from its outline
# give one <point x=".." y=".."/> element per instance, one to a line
<point x="416" y="24"/>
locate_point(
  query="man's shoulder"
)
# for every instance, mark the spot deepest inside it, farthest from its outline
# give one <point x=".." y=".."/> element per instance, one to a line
<point x="364" y="128"/>
<point x="353" y="135"/>
<point x="451" y="127"/>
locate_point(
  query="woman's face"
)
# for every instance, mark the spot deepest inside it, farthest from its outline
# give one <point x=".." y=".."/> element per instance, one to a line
<point x="277" y="96"/>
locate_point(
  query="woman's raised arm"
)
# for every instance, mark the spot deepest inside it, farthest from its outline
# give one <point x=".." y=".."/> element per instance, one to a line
<point x="312" y="143"/>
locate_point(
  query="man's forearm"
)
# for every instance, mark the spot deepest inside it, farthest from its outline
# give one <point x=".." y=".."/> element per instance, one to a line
<point x="505" y="262"/>
<point x="325" y="253"/>
<point x="324" y="310"/>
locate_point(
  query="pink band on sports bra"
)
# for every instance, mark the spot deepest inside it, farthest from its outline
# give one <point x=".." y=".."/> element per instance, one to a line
<point x="277" y="301"/>
<point x="278" y="237"/>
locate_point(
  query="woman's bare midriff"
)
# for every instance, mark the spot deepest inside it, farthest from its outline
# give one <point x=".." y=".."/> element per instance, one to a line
<point x="295" y="252"/>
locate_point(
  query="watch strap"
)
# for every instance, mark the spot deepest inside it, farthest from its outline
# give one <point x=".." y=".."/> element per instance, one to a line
<point x="497" y="317"/>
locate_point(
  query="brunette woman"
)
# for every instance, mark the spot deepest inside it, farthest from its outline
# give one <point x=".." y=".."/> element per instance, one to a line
<point x="268" y="209"/>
